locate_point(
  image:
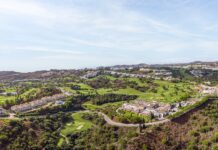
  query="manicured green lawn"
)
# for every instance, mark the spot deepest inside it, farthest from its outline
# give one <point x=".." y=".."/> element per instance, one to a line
<point x="128" y="91"/>
<point x="31" y="92"/>
<point x="135" y="80"/>
<point x="102" y="91"/>
<point x="68" y="89"/>
<point x="77" y="125"/>
<point x="105" y="76"/>
<point x="10" y="90"/>
<point x="90" y="106"/>
<point x="82" y="85"/>
<point x="110" y="77"/>
<point x="4" y="98"/>
<point x="165" y="91"/>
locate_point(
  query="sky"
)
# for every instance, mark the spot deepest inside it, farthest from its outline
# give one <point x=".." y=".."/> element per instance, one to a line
<point x="72" y="34"/>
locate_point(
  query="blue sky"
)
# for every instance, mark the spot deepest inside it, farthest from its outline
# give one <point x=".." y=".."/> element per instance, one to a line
<point x="64" y="34"/>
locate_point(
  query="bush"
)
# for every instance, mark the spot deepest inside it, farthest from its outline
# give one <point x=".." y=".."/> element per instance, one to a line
<point x="108" y="98"/>
<point x="205" y="129"/>
<point x="215" y="137"/>
<point x="194" y="133"/>
<point x="191" y="145"/>
<point x="164" y="141"/>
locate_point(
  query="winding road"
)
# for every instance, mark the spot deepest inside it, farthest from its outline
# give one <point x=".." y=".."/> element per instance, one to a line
<point x="106" y="118"/>
<point x="118" y="124"/>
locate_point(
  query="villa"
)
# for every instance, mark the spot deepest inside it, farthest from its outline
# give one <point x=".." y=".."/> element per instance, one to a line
<point x="208" y="90"/>
<point x="90" y="74"/>
<point x="156" y="109"/>
<point x="36" y="103"/>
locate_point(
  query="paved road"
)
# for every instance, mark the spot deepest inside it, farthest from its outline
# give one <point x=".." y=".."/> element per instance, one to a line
<point x="118" y="124"/>
<point x="106" y="118"/>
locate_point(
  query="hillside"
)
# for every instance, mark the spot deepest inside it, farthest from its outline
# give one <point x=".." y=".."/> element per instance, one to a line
<point x="197" y="129"/>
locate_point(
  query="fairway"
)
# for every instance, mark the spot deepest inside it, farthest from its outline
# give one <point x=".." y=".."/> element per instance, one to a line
<point x="165" y="91"/>
<point x="3" y="99"/>
<point x="77" y="125"/>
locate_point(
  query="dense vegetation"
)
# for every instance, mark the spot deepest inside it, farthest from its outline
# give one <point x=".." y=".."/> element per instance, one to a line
<point x="195" y="130"/>
<point x="108" y="98"/>
<point x="80" y="126"/>
<point x="30" y="93"/>
<point x="101" y="136"/>
<point x="71" y="104"/>
<point x="32" y="133"/>
<point x="200" y="126"/>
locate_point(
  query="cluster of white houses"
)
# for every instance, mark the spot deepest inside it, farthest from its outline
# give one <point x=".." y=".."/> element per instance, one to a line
<point x="156" y="109"/>
<point x="205" y="90"/>
<point x="8" y="94"/>
<point x="147" y="73"/>
<point x="90" y="74"/>
<point x="156" y="74"/>
<point x="123" y="74"/>
<point x="37" y="103"/>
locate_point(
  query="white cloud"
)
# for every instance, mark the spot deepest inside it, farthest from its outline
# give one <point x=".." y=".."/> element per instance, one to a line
<point x="73" y="30"/>
<point x="50" y="50"/>
<point x="24" y="7"/>
<point x="117" y="18"/>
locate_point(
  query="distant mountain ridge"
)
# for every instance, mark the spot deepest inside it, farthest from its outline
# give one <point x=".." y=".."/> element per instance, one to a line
<point x="44" y="74"/>
<point x="13" y="76"/>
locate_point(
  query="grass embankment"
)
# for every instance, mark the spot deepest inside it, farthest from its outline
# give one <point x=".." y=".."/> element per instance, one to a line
<point x="90" y="106"/>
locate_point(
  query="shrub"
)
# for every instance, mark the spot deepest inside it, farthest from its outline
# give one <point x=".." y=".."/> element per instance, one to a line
<point x="205" y="129"/>
<point x="215" y="137"/>
<point x="191" y="145"/>
<point x="108" y="98"/>
<point x="194" y="133"/>
<point x="164" y="141"/>
<point x="144" y="147"/>
<point x="205" y="143"/>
